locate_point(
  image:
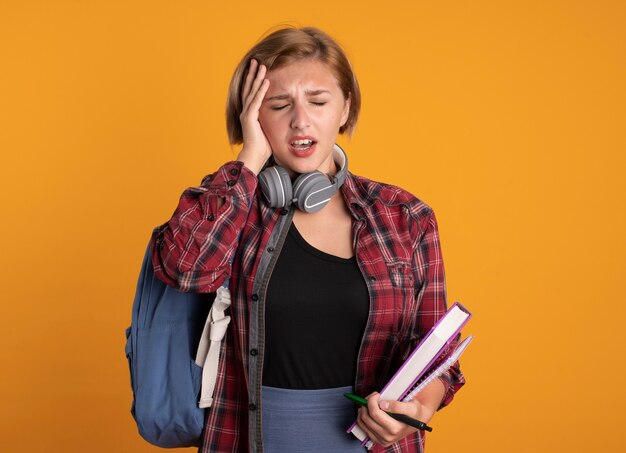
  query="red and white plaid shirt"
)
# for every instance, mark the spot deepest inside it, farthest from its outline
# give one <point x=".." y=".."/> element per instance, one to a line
<point x="396" y="243"/>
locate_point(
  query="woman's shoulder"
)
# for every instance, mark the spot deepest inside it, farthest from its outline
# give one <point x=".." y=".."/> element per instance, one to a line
<point x="379" y="195"/>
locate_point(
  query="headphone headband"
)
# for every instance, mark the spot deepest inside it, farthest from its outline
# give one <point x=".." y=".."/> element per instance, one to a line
<point x="340" y="157"/>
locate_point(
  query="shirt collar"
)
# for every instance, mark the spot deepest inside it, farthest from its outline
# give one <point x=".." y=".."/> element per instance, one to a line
<point x="356" y="196"/>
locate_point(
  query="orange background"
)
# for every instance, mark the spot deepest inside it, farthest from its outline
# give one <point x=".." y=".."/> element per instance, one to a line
<point x="507" y="117"/>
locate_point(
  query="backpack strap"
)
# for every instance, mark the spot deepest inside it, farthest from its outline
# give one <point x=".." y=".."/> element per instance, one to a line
<point x="208" y="353"/>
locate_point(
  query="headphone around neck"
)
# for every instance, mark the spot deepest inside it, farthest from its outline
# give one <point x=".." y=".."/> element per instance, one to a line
<point x="309" y="192"/>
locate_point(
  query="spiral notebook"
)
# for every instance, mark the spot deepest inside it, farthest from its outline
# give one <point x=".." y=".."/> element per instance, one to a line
<point x="417" y="371"/>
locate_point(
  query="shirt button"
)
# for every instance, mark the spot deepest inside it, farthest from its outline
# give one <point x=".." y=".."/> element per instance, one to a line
<point x="211" y="217"/>
<point x="255" y="297"/>
<point x="231" y="182"/>
<point x="252" y="406"/>
<point x="270" y="249"/>
<point x="372" y="278"/>
<point x="254" y="352"/>
<point x="234" y="171"/>
<point x="285" y="211"/>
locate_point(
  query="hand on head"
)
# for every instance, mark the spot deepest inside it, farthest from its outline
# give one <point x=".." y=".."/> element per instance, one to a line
<point x="256" y="148"/>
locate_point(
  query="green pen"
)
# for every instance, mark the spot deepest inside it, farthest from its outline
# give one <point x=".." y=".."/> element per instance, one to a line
<point x="400" y="417"/>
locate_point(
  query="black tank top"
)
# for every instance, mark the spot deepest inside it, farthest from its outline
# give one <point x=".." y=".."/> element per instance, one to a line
<point x="315" y="314"/>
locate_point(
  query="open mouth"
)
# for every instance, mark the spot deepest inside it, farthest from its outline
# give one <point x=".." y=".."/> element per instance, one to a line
<point x="302" y="145"/>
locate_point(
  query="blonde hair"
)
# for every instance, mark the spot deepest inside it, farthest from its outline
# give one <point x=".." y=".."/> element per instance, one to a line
<point x="286" y="46"/>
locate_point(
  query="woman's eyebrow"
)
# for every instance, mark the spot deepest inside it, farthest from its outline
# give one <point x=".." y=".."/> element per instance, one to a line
<point x="280" y="97"/>
<point x="315" y="92"/>
<point x="277" y="97"/>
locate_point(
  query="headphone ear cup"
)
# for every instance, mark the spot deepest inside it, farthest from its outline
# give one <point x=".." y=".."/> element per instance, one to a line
<point x="312" y="191"/>
<point x="276" y="186"/>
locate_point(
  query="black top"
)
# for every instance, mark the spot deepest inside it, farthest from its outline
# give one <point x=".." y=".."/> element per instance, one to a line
<point x="315" y="314"/>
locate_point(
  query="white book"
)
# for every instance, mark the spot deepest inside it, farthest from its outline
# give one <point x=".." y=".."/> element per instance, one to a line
<point x="408" y="382"/>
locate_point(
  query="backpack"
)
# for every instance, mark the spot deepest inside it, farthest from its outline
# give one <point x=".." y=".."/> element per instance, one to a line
<point x="169" y="339"/>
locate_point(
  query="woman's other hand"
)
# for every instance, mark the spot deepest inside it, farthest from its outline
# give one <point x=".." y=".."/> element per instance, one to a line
<point x="383" y="429"/>
<point x="256" y="148"/>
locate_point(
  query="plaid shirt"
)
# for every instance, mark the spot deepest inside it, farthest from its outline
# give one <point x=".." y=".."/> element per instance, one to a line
<point x="396" y="243"/>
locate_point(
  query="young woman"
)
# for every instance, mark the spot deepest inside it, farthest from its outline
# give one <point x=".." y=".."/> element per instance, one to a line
<point x="334" y="278"/>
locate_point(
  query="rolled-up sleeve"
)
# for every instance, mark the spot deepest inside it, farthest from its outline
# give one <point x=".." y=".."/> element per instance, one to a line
<point x="193" y="250"/>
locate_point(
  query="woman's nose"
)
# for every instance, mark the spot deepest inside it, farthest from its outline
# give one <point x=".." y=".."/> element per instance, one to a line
<point x="300" y="117"/>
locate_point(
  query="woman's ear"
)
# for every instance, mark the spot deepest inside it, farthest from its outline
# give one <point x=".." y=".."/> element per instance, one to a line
<point x="346" y="111"/>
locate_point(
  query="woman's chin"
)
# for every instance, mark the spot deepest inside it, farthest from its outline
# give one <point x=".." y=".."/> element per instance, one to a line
<point x="298" y="165"/>
<point x="301" y="168"/>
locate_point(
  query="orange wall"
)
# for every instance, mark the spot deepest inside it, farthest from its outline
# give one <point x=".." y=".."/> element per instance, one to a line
<point x="506" y="117"/>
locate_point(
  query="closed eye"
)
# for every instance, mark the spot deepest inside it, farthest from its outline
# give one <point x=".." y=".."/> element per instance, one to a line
<point x="281" y="107"/>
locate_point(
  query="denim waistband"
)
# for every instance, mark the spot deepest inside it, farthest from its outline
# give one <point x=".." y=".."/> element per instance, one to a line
<point x="312" y="400"/>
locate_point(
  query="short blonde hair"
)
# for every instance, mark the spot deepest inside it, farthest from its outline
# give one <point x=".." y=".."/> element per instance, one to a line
<point x="286" y="46"/>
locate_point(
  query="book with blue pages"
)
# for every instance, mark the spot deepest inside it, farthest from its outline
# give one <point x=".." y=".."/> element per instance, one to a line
<point x="421" y="367"/>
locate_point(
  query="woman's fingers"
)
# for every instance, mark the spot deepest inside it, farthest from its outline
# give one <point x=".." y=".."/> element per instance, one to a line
<point x="257" y="100"/>
<point x="249" y="116"/>
<point x="382" y="419"/>
<point x="378" y="425"/>
<point x="256" y="83"/>
<point x="249" y="78"/>
<point x="256" y="148"/>
<point x="368" y="425"/>
<point x="371" y="427"/>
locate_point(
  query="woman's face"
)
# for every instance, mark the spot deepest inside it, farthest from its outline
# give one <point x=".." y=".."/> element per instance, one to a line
<point x="301" y="115"/>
